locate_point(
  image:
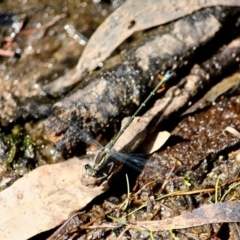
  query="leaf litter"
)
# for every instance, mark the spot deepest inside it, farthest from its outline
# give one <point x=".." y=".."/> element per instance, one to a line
<point x="24" y="208"/>
<point x="48" y="195"/>
<point x="190" y="219"/>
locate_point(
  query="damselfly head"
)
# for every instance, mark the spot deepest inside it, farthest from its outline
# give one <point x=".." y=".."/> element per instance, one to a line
<point x="90" y="170"/>
<point x="87" y="166"/>
<point x="89" y="176"/>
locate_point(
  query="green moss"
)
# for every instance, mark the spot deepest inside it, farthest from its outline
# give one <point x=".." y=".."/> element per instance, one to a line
<point x="20" y="146"/>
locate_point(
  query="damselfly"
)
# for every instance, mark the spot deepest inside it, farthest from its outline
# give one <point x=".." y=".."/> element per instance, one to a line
<point x="104" y="153"/>
<point x="135" y="161"/>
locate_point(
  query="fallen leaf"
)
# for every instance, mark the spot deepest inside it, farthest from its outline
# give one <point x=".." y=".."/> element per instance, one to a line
<point x="131" y="17"/>
<point x="212" y="213"/>
<point x="43" y="199"/>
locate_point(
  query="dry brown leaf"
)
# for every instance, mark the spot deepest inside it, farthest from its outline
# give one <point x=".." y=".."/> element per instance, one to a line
<point x="132" y="16"/>
<point x="43" y="199"/>
<point x="212" y="213"/>
<point x="157" y="141"/>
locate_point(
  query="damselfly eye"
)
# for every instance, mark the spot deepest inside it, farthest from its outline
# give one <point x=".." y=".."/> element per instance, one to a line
<point x="87" y="166"/>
